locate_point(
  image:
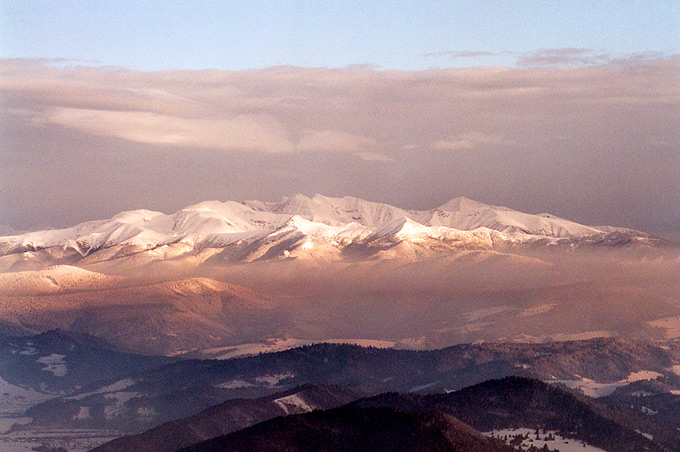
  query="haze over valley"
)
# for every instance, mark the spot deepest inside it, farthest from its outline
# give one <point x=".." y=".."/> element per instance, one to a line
<point x="310" y="269"/>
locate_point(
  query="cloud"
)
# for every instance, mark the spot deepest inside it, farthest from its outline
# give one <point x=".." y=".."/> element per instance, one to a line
<point x="239" y="132"/>
<point x="563" y="56"/>
<point x="594" y="143"/>
<point x="331" y="140"/>
<point x="470" y="141"/>
<point x="464" y="54"/>
<point x="566" y="56"/>
<point x="373" y="157"/>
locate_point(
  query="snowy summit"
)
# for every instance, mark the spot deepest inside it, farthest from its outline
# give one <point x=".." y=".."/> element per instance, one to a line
<point x="301" y="226"/>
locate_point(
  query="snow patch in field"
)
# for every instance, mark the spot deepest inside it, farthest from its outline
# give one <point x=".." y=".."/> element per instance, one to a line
<point x="583" y="336"/>
<point x="6" y="423"/>
<point x="648" y="410"/>
<point x="646" y="435"/>
<point x="234" y="384"/>
<point x="146" y="411"/>
<point x="73" y="440"/>
<point x="409" y="343"/>
<point x="119" y="400"/>
<point x="465" y="329"/>
<point x="273" y="380"/>
<point x="119" y="385"/>
<point x="55" y="364"/>
<point x="15" y="399"/>
<point x="277" y="345"/>
<point x="594" y="389"/>
<point x="293" y="404"/>
<point x="83" y="413"/>
<point x="546" y="437"/>
<point x="364" y="342"/>
<point x="642" y="375"/>
<point x="670" y="324"/>
<point x="423" y="387"/>
<point x="591" y="388"/>
<point x="477" y="314"/>
<point x="540" y="309"/>
<point x="641" y="394"/>
<point x="233" y="351"/>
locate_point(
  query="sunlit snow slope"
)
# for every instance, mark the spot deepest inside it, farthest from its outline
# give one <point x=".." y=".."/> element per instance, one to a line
<point x="299" y="226"/>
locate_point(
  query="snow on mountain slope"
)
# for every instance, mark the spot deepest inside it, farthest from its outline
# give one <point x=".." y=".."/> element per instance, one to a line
<point x="214" y="217"/>
<point x="15" y="399"/>
<point x="460" y="213"/>
<point x="406" y="229"/>
<point x="57" y="279"/>
<point x="165" y="316"/>
<point x="466" y="214"/>
<point x="203" y="286"/>
<point x="333" y="211"/>
<point x="319" y="226"/>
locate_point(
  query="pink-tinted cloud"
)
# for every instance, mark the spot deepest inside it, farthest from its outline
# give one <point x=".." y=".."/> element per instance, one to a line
<point x="596" y="143"/>
<point x="563" y="56"/>
<point x="330" y="140"/>
<point x="464" y="54"/>
<point x="470" y="141"/>
<point x="250" y="132"/>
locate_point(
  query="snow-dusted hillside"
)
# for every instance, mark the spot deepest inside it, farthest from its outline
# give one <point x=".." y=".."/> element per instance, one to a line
<point x="57" y="279"/>
<point x="299" y="226"/>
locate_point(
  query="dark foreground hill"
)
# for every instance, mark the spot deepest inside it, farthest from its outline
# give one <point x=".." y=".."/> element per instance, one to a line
<point x="231" y="416"/>
<point x="143" y="400"/>
<point x="356" y="430"/>
<point x="508" y="403"/>
<point x="58" y="362"/>
<point x="515" y="402"/>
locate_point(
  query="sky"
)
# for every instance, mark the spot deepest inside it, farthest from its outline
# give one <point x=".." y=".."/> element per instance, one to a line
<point x="569" y="107"/>
<point x="411" y="35"/>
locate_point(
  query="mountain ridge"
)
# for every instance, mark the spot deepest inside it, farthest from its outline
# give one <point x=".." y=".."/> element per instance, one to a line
<point x="300" y="224"/>
<point x="184" y="387"/>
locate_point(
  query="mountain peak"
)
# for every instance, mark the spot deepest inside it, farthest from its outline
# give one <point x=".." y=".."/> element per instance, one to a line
<point x="333" y="222"/>
<point x="135" y="216"/>
<point x="403" y="228"/>
<point x="462" y="203"/>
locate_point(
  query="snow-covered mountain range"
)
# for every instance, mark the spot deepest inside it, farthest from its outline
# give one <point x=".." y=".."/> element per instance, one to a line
<point x="229" y="274"/>
<point x="317" y="226"/>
